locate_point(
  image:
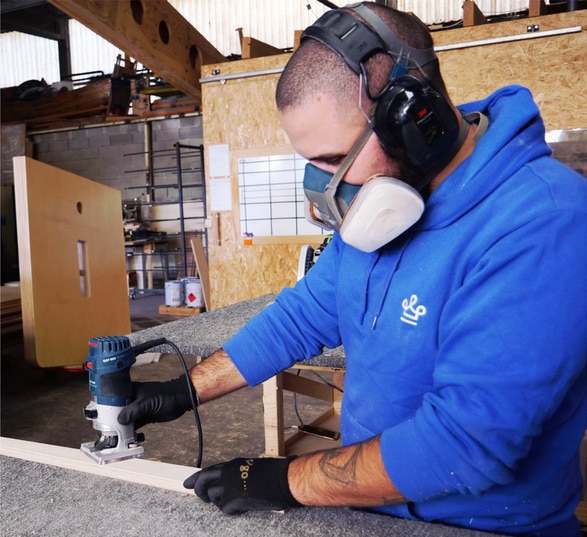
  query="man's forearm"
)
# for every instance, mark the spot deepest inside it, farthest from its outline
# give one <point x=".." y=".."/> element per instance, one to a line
<point x="216" y="376"/>
<point x="352" y="476"/>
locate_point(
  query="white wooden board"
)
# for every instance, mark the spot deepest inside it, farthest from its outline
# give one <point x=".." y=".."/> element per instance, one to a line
<point x="142" y="471"/>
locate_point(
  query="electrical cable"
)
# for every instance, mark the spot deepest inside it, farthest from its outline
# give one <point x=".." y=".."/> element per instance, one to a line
<point x="295" y="396"/>
<point x="194" y="401"/>
<point x="142" y="347"/>
<point x="330" y="384"/>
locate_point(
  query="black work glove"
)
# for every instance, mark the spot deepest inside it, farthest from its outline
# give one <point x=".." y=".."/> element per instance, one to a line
<point x="242" y="485"/>
<point x="157" y="401"/>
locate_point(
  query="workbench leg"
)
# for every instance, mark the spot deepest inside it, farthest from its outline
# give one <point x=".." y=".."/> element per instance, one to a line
<point x="273" y="417"/>
<point x="338" y="381"/>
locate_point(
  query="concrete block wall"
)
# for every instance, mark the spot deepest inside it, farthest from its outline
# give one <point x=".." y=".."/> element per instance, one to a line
<point x="113" y="155"/>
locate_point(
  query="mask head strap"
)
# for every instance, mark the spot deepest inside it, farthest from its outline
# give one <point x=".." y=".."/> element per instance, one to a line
<point x="332" y="186"/>
<point x="356" y="41"/>
<point x="411" y="57"/>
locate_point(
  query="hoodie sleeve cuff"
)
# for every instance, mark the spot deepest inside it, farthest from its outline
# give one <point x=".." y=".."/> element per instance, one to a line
<point x="250" y="358"/>
<point x="407" y="465"/>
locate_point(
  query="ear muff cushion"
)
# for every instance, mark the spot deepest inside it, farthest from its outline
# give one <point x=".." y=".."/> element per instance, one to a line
<point x="383" y="209"/>
<point x="416" y="120"/>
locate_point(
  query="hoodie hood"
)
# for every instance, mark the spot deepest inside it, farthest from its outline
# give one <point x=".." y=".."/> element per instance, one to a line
<point x="517" y="137"/>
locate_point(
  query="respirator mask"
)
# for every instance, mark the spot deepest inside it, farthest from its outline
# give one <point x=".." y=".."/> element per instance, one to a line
<point x="367" y="216"/>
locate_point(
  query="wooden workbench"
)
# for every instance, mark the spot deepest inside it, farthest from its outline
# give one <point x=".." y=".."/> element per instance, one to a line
<point x="47" y="490"/>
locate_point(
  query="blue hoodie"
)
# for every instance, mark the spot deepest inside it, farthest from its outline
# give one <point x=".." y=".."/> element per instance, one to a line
<point x="466" y="337"/>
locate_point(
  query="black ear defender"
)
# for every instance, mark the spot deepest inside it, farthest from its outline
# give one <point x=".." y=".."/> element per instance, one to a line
<point x="409" y="114"/>
<point x="415" y="118"/>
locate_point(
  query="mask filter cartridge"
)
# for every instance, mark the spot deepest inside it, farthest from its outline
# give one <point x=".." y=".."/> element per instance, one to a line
<point x="370" y="215"/>
<point x="382" y="210"/>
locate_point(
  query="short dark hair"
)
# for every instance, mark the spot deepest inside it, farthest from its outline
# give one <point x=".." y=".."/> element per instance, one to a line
<point x="315" y="67"/>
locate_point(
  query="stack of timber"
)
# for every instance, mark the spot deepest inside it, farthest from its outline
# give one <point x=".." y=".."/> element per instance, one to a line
<point x="183" y="104"/>
<point x="90" y="100"/>
<point x="10" y="314"/>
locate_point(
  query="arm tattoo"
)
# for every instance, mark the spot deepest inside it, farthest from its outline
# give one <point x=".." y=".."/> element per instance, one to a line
<point x="340" y="465"/>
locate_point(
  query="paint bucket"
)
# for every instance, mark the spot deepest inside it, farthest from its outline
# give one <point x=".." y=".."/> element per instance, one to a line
<point x="174" y="293"/>
<point x="193" y="293"/>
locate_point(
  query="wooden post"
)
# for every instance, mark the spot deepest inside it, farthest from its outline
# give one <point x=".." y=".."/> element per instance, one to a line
<point x="472" y="15"/>
<point x="537" y="8"/>
<point x="253" y="48"/>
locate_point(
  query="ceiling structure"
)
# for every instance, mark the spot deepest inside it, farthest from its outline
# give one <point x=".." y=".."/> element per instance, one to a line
<point x="140" y="28"/>
<point x="40" y="18"/>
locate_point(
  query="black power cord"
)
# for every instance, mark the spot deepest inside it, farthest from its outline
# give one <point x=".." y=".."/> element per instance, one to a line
<point x="310" y="429"/>
<point x="143" y="347"/>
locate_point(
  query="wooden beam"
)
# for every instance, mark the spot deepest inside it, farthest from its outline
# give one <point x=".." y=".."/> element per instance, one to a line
<point x="308" y="387"/>
<point x="472" y="15"/>
<point x="152" y="32"/>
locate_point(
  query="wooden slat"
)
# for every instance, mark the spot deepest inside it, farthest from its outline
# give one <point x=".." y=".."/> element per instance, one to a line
<point x="9" y="296"/>
<point x="182" y="311"/>
<point x="305" y="386"/>
<point x="142" y="471"/>
<point x="273" y="421"/>
<point x="152" y="32"/>
<point x="202" y="266"/>
<point x="253" y="48"/>
<point x="301" y="443"/>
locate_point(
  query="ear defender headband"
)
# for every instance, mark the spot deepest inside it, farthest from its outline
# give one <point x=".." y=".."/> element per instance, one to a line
<point x="407" y="114"/>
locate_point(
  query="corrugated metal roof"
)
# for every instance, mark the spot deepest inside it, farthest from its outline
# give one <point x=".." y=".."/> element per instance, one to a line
<point x="274" y="22"/>
<point x="27" y="57"/>
<point x="435" y="12"/>
<point x="271" y="21"/>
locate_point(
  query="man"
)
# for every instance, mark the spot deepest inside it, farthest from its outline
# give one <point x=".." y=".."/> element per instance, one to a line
<point x="463" y="322"/>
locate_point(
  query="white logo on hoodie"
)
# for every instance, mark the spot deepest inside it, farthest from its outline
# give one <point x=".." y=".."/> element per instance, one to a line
<point x="412" y="312"/>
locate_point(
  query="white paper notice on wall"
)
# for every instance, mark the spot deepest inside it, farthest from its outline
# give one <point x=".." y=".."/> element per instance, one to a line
<point x="219" y="160"/>
<point x="220" y="194"/>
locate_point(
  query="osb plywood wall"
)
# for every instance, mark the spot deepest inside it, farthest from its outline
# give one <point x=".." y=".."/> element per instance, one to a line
<point x="241" y="113"/>
<point x="554" y="68"/>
